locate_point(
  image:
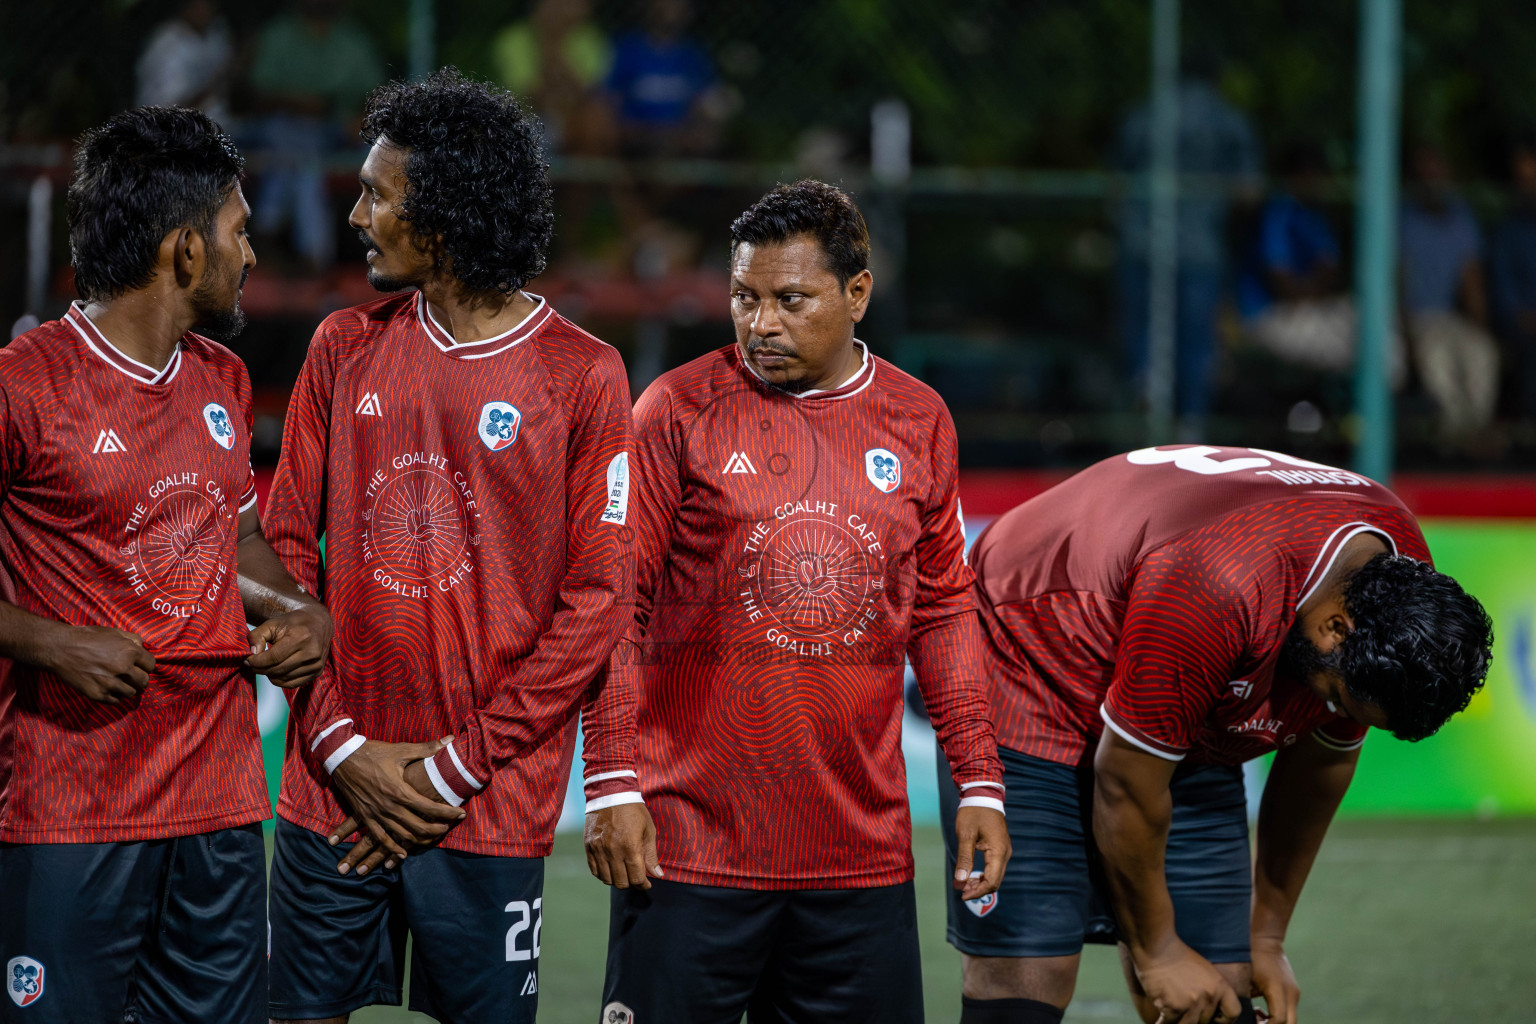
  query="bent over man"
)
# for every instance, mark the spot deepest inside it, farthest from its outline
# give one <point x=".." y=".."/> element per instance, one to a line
<point x="1198" y="606"/>
<point x="799" y="533"/>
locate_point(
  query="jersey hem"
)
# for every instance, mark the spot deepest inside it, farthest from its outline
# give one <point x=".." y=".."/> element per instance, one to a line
<point x="862" y="880"/>
<point x="40" y="835"/>
<point x="483" y="847"/>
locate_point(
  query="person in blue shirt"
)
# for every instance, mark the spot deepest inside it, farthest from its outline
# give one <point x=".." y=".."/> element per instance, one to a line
<point x="1512" y="278"/>
<point x="664" y="86"/>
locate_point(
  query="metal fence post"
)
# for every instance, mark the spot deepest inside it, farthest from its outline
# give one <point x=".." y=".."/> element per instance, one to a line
<point x="423" y="28"/>
<point x="1163" y="240"/>
<point x="1381" y="29"/>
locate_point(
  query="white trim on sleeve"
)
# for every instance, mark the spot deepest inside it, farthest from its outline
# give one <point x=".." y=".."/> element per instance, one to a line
<point x="328" y="730"/>
<point x="1333" y="744"/>
<point x="441" y="784"/>
<point x="973" y="785"/>
<point x="1133" y="741"/>
<point x="343" y="752"/>
<point x="605" y="776"/>
<point x="453" y="754"/>
<point x="630" y="797"/>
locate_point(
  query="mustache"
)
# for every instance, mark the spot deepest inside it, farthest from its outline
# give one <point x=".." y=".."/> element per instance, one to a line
<point x="755" y="345"/>
<point x="363" y="236"/>
<point x="245" y="272"/>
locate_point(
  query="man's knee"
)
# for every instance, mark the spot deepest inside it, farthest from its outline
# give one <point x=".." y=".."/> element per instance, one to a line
<point x="1044" y="979"/>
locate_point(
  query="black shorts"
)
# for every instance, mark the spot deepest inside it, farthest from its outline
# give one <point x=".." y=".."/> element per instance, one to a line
<point x="704" y="954"/>
<point x="162" y="931"/>
<point x="338" y="941"/>
<point x="1052" y="897"/>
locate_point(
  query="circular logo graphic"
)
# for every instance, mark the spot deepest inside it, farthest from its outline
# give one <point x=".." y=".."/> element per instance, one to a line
<point x="419" y="524"/>
<point x="815" y="578"/>
<point x="179" y="547"/>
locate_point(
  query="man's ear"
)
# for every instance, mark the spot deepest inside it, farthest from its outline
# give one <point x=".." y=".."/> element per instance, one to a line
<point x="858" y="290"/>
<point x="184" y="252"/>
<point x="1335" y="627"/>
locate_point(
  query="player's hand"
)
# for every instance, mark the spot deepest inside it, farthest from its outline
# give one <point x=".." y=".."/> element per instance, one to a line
<point x="290" y="649"/>
<point x="985" y="830"/>
<point x="394" y="812"/>
<point x="1275" y="981"/>
<point x="105" y="665"/>
<point x="1186" y="988"/>
<point x="621" y="846"/>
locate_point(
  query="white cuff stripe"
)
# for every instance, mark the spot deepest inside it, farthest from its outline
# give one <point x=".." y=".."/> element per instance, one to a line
<point x="453" y="755"/>
<point x="605" y="776"/>
<point x="441" y="784"/>
<point x="632" y="797"/>
<point x="1333" y="744"/>
<point x="249" y="502"/>
<point x="328" y="730"/>
<point x="984" y="801"/>
<point x="1133" y="741"/>
<point x="972" y="785"/>
<point x="343" y="752"/>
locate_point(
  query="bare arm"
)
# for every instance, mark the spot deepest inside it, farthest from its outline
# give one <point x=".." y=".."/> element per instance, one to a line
<point x="293" y="635"/>
<point x="109" y="666"/>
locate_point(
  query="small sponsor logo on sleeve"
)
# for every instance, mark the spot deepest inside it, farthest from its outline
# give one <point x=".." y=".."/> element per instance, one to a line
<point x="24" y="980"/>
<point x="617" y="509"/>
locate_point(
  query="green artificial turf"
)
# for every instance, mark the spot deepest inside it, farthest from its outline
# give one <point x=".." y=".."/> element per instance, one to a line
<point x="1403" y="921"/>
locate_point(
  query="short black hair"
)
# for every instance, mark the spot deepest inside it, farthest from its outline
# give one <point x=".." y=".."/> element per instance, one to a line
<point x="139" y="176"/>
<point x="809" y="208"/>
<point x="1420" y="646"/>
<point x="475" y="175"/>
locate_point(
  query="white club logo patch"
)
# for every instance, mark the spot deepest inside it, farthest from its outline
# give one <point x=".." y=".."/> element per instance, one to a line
<point x="883" y="469"/>
<point x="24" y="980"/>
<point x="498" y="425"/>
<point x="617" y="509"/>
<point x="216" y="418"/>
<point x="981" y="906"/>
<point x="618" y="1013"/>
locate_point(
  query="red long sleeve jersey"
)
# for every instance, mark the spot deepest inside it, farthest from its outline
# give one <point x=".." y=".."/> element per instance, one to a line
<point x="1154" y="591"/>
<point x="473" y="500"/>
<point x="120" y="494"/>
<point x="790" y="551"/>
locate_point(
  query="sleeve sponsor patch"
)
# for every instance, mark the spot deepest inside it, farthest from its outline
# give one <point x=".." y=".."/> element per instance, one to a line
<point x="617" y="510"/>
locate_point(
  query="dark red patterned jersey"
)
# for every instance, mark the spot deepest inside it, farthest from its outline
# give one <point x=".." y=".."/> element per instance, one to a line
<point x="1153" y="591"/>
<point x="473" y="501"/>
<point x="790" y="552"/>
<point x="121" y="489"/>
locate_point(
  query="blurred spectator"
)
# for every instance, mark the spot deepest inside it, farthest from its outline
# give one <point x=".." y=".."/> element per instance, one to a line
<point x="1512" y="273"/>
<point x="1290" y="286"/>
<point x="1444" y="299"/>
<point x="312" y="69"/>
<point x="186" y="62"/>
<point x="669" y="99"/>
<point x="559" y="59"/>
<point x="1215" y="141"/>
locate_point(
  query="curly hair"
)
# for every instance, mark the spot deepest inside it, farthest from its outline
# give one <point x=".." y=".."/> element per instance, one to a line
<point x="475" y="175"/>
<point x="809" y="207"/>
<point x="1420" y="646"/>
<point x="139" y="176"/>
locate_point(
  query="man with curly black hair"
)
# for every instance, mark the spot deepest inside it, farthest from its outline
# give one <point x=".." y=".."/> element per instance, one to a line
<point x="463" y="450"/>
<point x="1152" y="623"/>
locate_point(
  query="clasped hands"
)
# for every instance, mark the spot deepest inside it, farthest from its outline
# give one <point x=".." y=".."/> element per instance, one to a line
<point x="392" y="802"/>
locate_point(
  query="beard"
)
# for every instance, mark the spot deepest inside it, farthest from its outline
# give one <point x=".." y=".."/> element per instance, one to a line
<point x="380" y="281"/>
<point x="796" y="386"/>
<point x="1302" y="660"/>
<point x="215" y="320"/>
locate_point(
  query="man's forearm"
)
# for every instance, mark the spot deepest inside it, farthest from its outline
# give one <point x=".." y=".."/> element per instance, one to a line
<point x="266" y="588"/>
<point x="1132" y="811"/>
<point x="27" y="638"/>
<point x="1305" y="786"/>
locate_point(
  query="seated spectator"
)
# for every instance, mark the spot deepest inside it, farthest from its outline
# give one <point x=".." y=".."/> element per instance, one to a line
<point x="1290" y="287"/>
<point x="186" y="62"/>
<point x="669" y="100"/>
<point x="1512" y="273"/>
<point x="312" y="69"/>
<point x="558" y="58"/>
<point x="1445" y="301"/>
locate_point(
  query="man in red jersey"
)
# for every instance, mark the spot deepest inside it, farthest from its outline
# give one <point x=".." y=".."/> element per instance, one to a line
<point x="462" y="450"/>
<point x="132" y="869"/>
<point x="1208" y="605"/>
<point x="798" y="534"/>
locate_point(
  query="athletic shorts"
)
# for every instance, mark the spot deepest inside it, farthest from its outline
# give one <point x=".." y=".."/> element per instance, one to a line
<point x="704" y="954"/>
<point x="163" y="931"/>
<point x="338" y="941"/>
<point x="1053" y="898"/>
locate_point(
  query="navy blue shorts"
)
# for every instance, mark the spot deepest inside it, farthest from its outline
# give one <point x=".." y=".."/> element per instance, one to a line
<point x="161" y="931"/>
<point x="704" y="954"/>
<point x="338" y="941"/>
<point x="1052" y="897"/>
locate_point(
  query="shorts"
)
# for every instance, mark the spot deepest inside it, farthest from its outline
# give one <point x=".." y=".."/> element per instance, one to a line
<point x="160" y="931"/>
<point x="1053" y="897"/>
<point x="704" y="954"/>
<point x="338" y="941"/>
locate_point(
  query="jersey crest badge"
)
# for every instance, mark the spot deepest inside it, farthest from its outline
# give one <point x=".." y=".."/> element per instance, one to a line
<point x="883" y="469"/>
<point x="498" y="425"/>
<point x="107" y="442"/>
<point x="617" y="509"/>
<point x="618" y="1013"/>
<point x="983" y="905"/>
<point x="216" y="417"/>
<point x="24" y="980"/>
